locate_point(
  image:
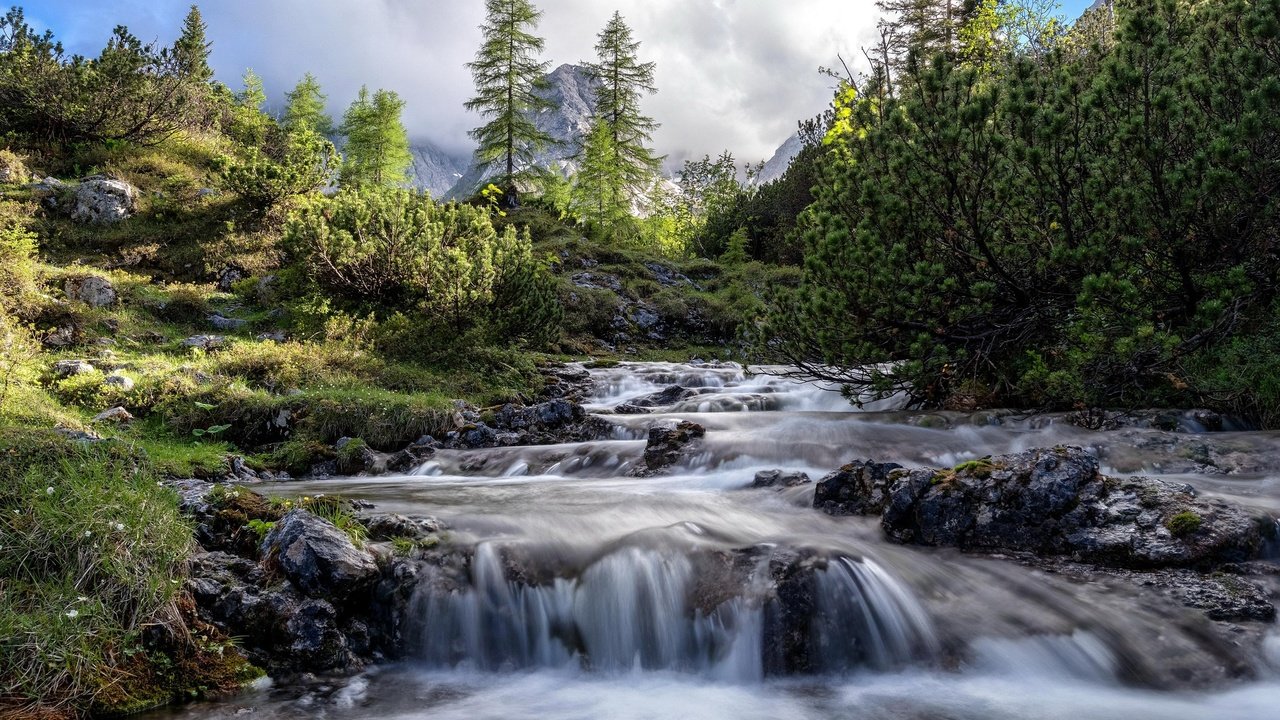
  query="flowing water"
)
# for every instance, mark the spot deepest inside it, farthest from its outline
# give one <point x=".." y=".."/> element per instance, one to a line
<point x="588" y="593"/>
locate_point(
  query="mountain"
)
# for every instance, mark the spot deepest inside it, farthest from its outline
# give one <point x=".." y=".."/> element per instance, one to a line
<point x="781" y="160"/>
<point x="434" y="170"/>
<point x="573" y="93"/>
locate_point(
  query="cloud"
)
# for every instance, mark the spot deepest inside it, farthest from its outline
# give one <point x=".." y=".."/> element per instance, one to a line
<point x="732" y="74"/>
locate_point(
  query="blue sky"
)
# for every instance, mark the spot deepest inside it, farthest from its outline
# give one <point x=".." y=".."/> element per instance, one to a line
<point x="733" y="74"/>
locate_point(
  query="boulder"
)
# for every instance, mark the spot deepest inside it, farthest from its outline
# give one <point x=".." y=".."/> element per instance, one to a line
<point x="219" y="322"/>
<point x="102" y="201"/>
<point x="1049" y="502"/>
<point x="228" y="277"/>
<point x="662" y="398"/>
<point x="205" y="342"/>
<point x="390" y="527"/>
<point x="71" y="368"/>
<point x="318" y="558"/>
<point x="123" y="382"/>
<point x="115" y="414"/>
<point x="779" y="479"/>
<point x="92" y="290"/>
<point x="668" y="445"/>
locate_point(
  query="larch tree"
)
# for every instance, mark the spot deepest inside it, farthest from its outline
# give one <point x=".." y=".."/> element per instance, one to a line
<point x="622" y="80"/>
<point x="599" y="187"/>
<point x="508" y="75"/>
<point x="306" y="108"/>
<point x="191" y="51"/>
<point x="377" y="146"/>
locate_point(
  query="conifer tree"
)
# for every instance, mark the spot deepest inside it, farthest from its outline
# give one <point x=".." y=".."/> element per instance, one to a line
<point x="253" y="95"/>
<point x="306" y="108"/>
<point x="191" y="51"/>
<point x="377" y="147"/>
<point x="508" y="77"/>
<point x="623" y="80"/>
<point x="599" y="186"/>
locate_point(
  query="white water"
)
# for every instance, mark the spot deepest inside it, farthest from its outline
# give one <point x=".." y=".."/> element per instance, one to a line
<point x="594" y="595"/>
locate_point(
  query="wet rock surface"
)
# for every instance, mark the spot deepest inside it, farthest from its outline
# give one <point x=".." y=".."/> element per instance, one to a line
<point x="667" y="446"/>
<point x="649" y="403"/>
<point x="1052" y="502"/>
<point x="779" y="479"/>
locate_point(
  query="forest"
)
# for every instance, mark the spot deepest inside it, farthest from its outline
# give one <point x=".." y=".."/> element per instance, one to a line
<point x="1000" y="209"/>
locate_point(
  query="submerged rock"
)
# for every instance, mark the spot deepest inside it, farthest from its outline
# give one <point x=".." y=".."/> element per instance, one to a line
<point x="1051" y="502"/>
<point x="779" y="479"/>
<point x="662" y="398"/>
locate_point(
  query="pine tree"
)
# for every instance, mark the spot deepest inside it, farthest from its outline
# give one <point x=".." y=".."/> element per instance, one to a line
<point x="191" y="51"/>
<point x="306" y="108"/>
<point x="377" y="147"/>
<point x="508" y="76"/>
<point x="623" y="79"/>
<point x="599" y="186"/>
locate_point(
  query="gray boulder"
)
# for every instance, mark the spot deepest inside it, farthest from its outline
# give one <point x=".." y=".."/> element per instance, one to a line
<point x="123" y="382"/>
<point x="662" y="398"/>
<point x="1049" y="502"/>
<point x="318" y="558"/>
<point x="205" y="342"/>
<point x="103" y="201"/>
<point x="779" y="479"/>
<point x="71" y="368"/>
<point x="92" y="290"/>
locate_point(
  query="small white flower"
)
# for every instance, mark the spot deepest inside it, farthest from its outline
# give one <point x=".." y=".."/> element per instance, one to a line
<point x="72" y="613"/>
<point x="119" y="527"/>
<point x="82" y="598"/>
<point x="88" y="533"/>
<point x="48" y="490"/>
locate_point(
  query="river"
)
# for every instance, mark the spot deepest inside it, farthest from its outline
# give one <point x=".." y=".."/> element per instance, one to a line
<point x="594" y="594"/>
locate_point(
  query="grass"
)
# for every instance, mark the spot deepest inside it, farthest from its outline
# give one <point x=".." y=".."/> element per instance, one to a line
<point x="1184" y="524"/>
<point x="94" y="555"/>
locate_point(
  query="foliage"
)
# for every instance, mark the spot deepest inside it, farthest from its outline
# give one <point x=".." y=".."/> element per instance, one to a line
<point x="1064" y="226"/>
<point x="377" y="147"/>
<point x="295" y="163"/>
<point x="191" y="51"/>
<point x="600" y="194"/>
<point x="305" y="109"/>
<point x="132" y="91"/>
<point x="621" y="82"/>
<point x="508" y="77"/>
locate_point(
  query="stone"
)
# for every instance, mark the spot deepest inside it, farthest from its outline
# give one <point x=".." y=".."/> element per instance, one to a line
<point x="392" y="526"/>
<point x="596" y="281"/>
<point x="779" y="479"/>
<point x="115" y="414"/>
<point x="225" y="323"/>
<point x="668" y="445"/>
<point x="1050" y="502"/>
<point x="92" y="290"/>
<point x="228" y="277"/>
<point x="663" y="398"/>
<point x="102" y="201"/>
<point x="123" y="382"/>
<point x="205" y="342"/>
<point x="318" y="558"/>
<point x="71" y="368"/>
<point x="666" y="276"/>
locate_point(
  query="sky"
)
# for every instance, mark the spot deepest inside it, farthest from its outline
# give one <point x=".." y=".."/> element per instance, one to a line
<point x="731" y="74"/>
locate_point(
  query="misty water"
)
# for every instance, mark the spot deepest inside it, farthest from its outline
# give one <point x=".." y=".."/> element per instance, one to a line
<point x="589" y="593"/>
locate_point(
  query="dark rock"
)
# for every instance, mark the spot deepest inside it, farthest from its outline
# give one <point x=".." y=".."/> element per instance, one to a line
<point x="667" y="276"/>
<point x="229" y="276"/>
<point x="597" y="281"/>
<point x="667" y="446"/>
<point x="1051" y="502"/>
<point x="219" y="322"/>
<point x="390" y="527"/>
<point x="412" y="456"/>
<point x="779" y="479"/>
<point x="318" y="558"/>
<point x="663" y="398"/>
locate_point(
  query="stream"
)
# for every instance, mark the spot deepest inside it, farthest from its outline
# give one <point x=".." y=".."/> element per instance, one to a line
<point x="590" y="593"/>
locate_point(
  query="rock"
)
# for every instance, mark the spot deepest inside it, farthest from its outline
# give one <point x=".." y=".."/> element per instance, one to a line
<point x="663" y="398"/>
<point x="318" y="558"/>
<point x="277" y="336"/>
<point x="205" y="342"/>
<point x="78" y="435"/>
<point x="1049" y="502"/>
<point x="411" y="457"/>
<point x="71" y="368"/>
<point x="228" y="277"/>
<point x="92" y="290"/>
<point x="123" y="382"/>
<point x="667" y="446"/>
<point x="779" y="479"/>
<point x="47" y="185"/>
<point x="205" y="192"/>
<point x="597" y="281"/>
<point x="115" y="414"/>
<point x="225" y="323"/>
<point x="390" y="527"/>
<point x="667" y="276"/>
<point x="101" y="200"/>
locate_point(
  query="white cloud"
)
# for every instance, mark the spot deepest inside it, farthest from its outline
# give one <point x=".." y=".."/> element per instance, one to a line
<point x="733" y="74"/>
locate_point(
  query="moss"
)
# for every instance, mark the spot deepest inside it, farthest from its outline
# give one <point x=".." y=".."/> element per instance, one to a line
<point x="1184" y="523"/>
<point x="977" y="468"/>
